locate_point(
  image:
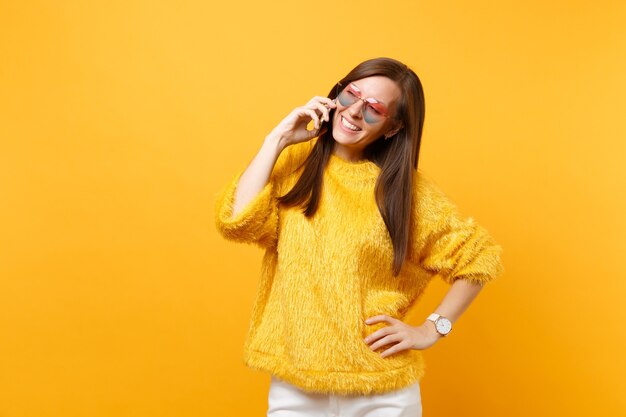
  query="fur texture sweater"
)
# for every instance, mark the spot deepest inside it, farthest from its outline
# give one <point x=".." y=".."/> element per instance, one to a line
<point x="322" y="277"/>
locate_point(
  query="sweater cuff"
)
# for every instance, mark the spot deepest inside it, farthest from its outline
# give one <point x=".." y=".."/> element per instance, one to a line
<point x="254" y="223"/>
<point x="485" y="268"/>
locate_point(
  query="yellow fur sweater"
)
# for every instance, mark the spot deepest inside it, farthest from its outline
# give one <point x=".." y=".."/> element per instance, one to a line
<point x="321" y="278"/>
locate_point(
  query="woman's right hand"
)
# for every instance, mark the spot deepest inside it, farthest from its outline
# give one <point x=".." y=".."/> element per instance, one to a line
<point x="292" y="129"/>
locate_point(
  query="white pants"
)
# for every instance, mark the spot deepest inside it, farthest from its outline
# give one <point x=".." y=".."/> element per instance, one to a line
<point x="286" y="400"/>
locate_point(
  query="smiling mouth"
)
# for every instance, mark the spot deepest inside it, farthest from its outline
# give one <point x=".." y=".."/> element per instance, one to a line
<point x="349" y="125"/>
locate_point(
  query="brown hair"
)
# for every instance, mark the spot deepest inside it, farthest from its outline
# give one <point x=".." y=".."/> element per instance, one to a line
<point x="397" y="156"/>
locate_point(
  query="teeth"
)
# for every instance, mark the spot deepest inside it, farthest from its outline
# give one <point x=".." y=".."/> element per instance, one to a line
<point x="348" y="124"/>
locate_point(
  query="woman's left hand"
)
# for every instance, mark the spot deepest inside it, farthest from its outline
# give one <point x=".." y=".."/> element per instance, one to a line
<point x="406" y="336"/>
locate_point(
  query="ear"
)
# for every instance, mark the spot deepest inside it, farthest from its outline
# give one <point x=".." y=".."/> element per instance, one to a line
<point x="394" y="130"/>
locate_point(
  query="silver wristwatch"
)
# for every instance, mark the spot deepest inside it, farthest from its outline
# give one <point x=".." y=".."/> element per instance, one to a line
<point x="442" y="324"/>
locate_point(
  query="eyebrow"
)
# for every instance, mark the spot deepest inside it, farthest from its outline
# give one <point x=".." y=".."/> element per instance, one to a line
<point x="359" y="90"/>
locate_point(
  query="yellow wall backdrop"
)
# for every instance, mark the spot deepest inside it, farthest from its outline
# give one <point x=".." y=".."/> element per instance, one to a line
<point x="119" y="121"/>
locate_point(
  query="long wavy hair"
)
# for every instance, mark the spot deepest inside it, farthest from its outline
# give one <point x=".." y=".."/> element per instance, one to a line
<point x="397" y="156"/>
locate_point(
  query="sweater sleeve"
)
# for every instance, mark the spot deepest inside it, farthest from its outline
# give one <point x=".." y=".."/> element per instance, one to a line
<point x="257" y="222"/>
<point x="451" y="246"/>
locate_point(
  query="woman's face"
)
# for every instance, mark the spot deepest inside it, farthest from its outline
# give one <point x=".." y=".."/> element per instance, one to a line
<point x="354" y="126"/>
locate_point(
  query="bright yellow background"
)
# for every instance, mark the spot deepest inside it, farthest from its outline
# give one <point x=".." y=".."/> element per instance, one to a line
<point x="119" y="121"/>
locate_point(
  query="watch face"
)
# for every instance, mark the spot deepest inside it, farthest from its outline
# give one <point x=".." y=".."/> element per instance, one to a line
<point x="443" y="325"/>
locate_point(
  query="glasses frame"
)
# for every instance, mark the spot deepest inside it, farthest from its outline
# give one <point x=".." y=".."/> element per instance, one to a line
<point x="340" y="89"/>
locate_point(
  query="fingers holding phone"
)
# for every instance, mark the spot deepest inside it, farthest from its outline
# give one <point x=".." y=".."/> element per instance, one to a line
<point x="293" y="128"/>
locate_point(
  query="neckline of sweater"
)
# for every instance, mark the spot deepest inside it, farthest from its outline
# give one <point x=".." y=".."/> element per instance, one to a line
<point x="362" y="170"/>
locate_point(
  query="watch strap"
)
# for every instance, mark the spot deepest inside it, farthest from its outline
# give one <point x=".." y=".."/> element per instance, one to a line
<point x="433" y="317"/>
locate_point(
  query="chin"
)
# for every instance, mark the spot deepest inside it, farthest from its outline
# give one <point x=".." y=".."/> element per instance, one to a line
<point x="341" y="138"/>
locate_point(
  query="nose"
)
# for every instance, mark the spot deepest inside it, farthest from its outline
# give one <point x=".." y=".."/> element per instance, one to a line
<point x="356" y="109"/>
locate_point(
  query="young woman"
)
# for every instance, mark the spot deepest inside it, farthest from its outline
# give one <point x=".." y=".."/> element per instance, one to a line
<point x="352" y="232"/>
